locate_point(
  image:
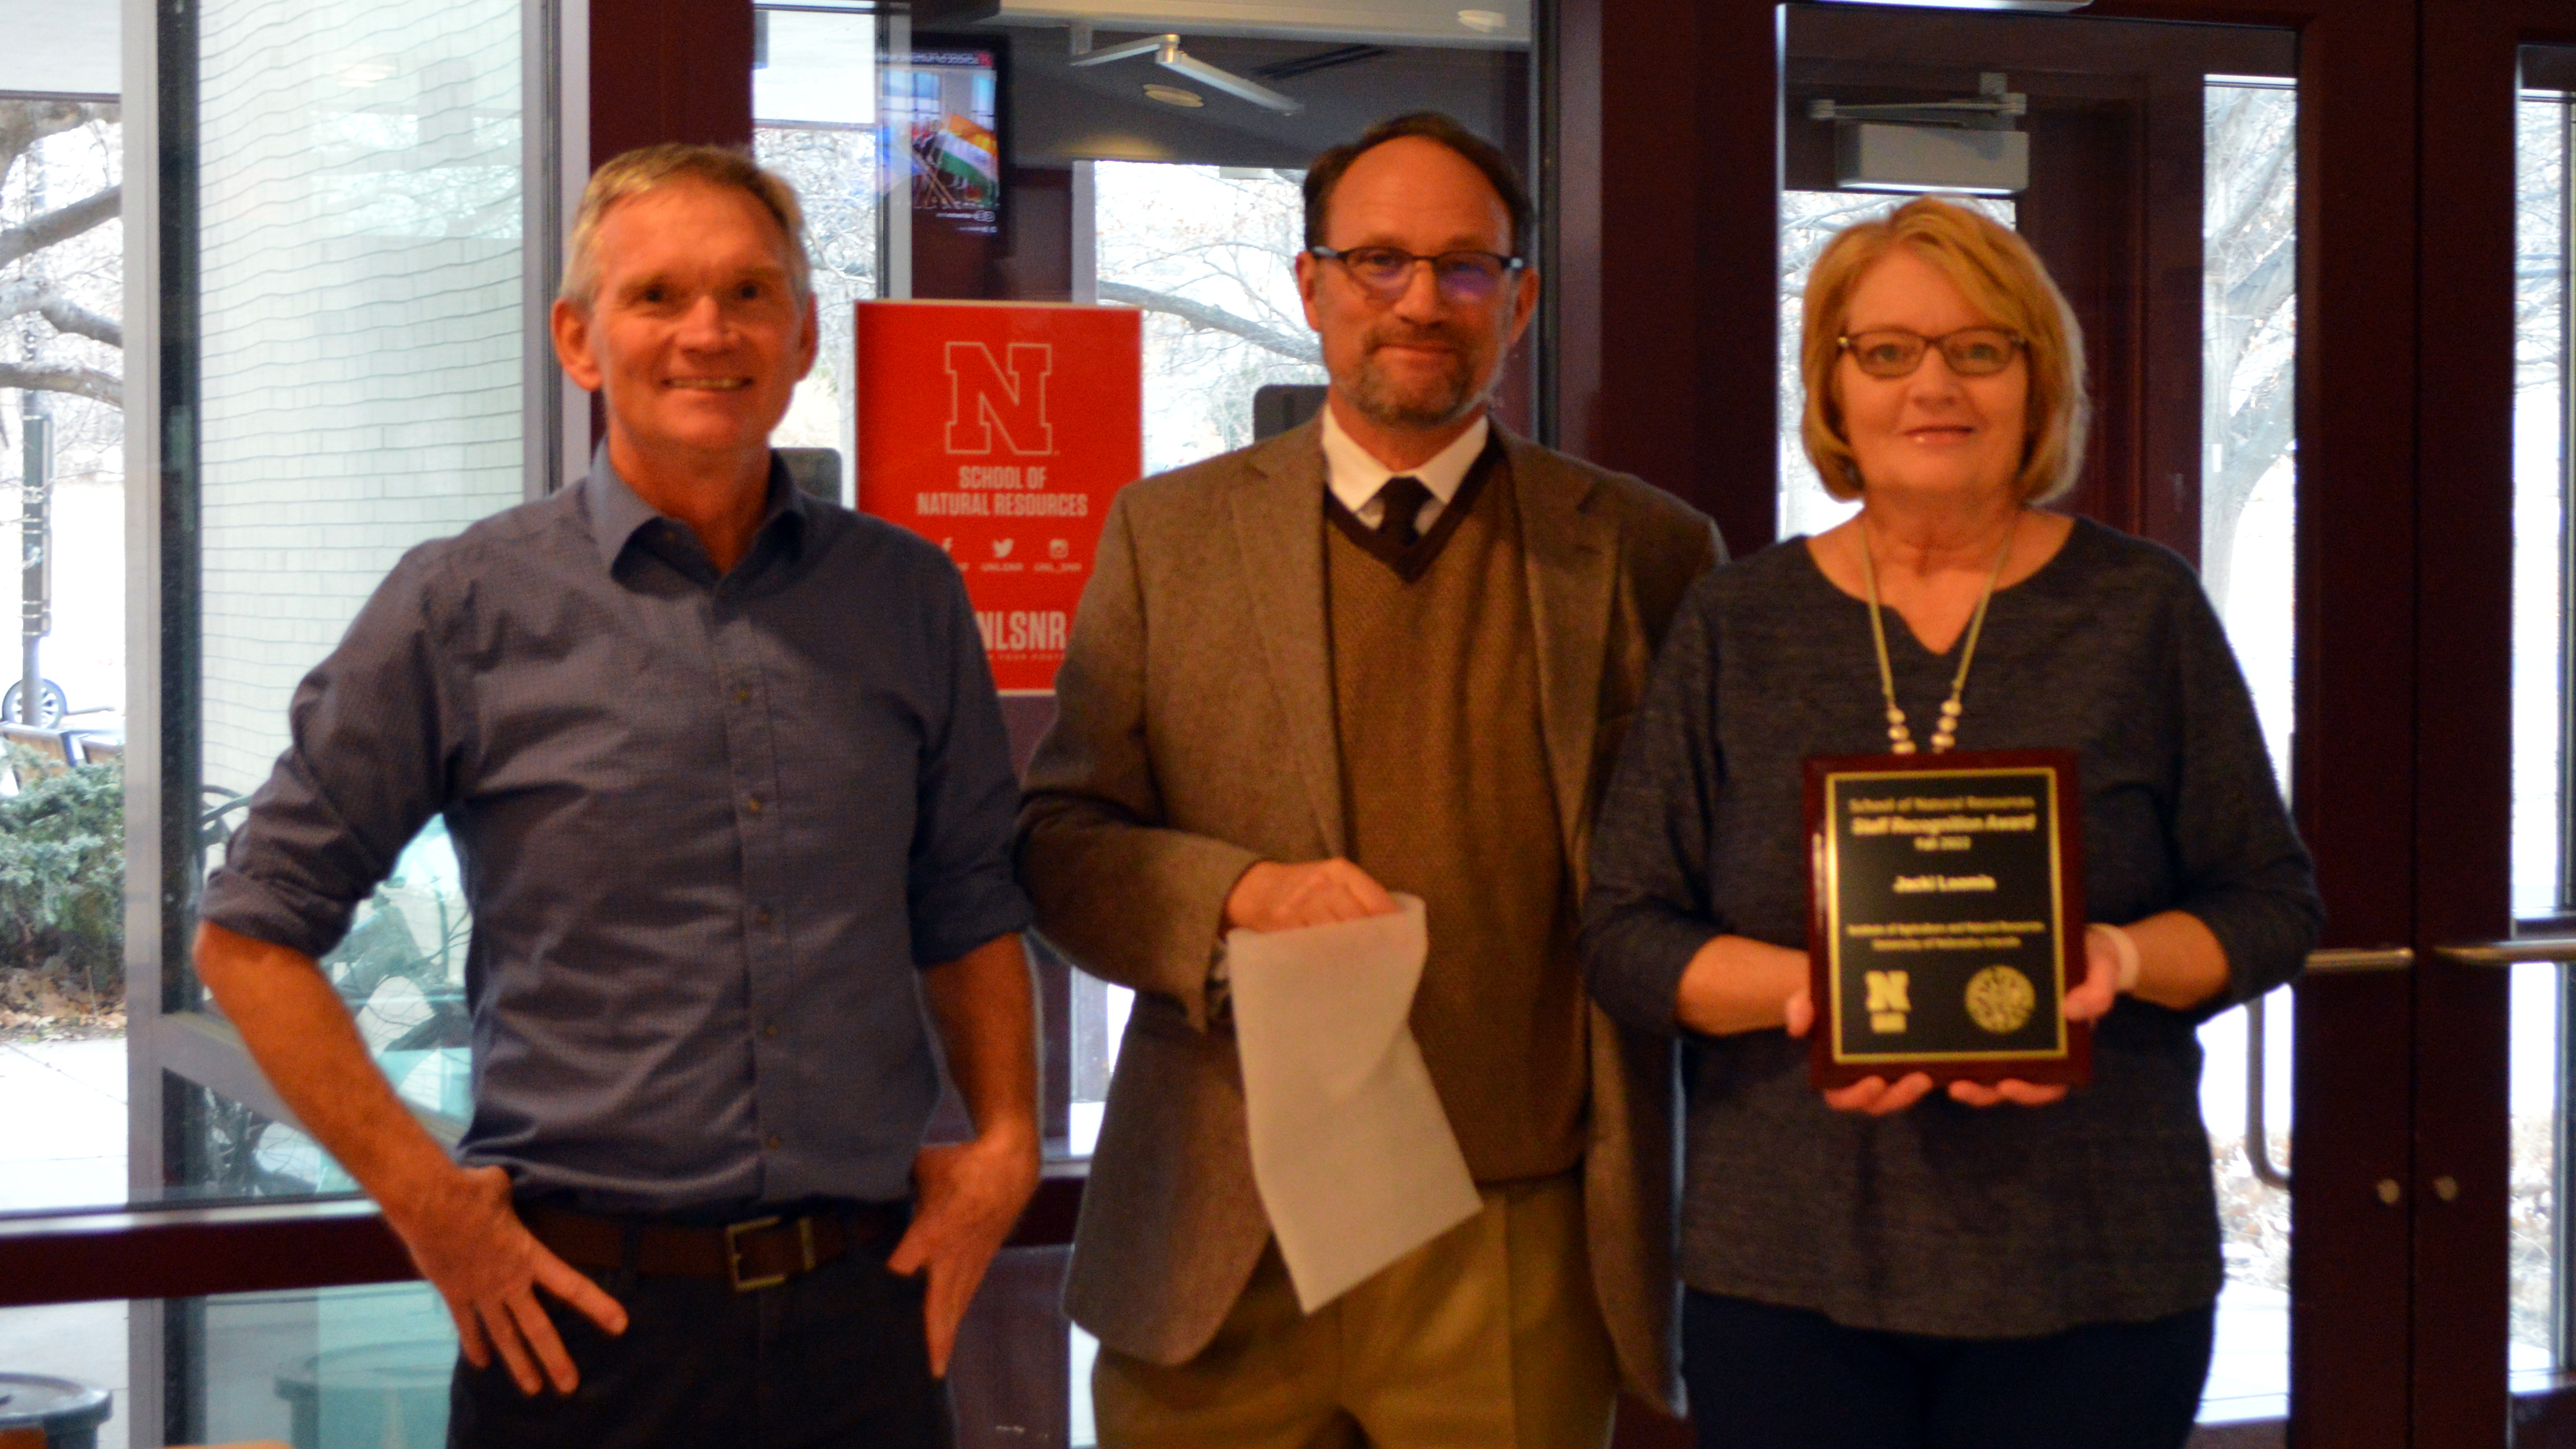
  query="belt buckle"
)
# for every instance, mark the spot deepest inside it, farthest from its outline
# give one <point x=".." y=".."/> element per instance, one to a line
<point x="733" y="1252"/>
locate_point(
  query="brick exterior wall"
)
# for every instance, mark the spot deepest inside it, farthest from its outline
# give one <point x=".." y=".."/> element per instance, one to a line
<point x="360" y="245"/>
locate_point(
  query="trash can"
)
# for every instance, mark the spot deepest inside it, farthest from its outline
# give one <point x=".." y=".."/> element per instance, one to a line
<point x="380" y="1396"/>
<point x="68" y="1412"/>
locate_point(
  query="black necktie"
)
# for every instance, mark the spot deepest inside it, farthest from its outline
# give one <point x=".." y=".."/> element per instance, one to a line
<point x="1402" y="500"/>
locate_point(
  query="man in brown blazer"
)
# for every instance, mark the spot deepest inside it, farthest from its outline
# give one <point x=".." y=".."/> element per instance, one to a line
<point x="1390" y="650"/>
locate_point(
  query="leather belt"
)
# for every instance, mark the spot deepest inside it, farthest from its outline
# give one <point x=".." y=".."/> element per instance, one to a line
<point x="752" y="1254"/>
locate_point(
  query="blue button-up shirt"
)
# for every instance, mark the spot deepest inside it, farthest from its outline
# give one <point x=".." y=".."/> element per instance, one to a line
<point x="709" y="828"/>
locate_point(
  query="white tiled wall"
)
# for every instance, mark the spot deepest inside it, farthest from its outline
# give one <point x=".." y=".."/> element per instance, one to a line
<point x="360" y="248"/>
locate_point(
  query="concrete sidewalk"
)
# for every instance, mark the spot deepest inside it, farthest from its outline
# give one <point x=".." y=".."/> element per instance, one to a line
<point x="62" y="1124"/>
<point x="62" y="1145"/>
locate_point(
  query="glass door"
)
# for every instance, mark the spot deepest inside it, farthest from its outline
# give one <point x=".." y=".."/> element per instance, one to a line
<point x="2535" y="958"/>
<point x="2166" y="173"/>
<point x="2191" y="331"/>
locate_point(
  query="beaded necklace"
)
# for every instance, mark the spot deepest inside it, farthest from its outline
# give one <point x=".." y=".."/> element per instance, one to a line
<point x="1946" y="733"/>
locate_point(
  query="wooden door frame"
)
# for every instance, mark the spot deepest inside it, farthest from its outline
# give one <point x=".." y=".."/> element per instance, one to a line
<point x="2463" y="690"/>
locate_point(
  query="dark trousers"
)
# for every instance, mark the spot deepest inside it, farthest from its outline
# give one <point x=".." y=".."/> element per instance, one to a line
<point x="1765" y="1377"/>
<point x="832" y="1357"/>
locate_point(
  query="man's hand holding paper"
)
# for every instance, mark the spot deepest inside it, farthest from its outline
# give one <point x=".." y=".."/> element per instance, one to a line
<point x="1276" y="897"/>
<point x="1353" y="1156"/>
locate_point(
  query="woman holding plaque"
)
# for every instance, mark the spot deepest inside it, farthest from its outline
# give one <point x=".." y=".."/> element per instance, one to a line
<point x="1891" y="1262"/>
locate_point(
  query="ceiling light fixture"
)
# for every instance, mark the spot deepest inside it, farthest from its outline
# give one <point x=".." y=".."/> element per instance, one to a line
<point x="1483" y="22"/>
<point x="1174" y="96"/>
<point x="1167" y="53"/>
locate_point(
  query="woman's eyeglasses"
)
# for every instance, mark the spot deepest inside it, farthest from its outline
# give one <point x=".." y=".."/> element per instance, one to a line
<point x="1970" y="351"/>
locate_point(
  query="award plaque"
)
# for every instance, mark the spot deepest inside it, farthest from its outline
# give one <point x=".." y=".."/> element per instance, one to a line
<point x="1947" y="919"/>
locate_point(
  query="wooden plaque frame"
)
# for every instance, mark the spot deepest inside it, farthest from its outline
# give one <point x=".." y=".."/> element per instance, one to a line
<point x="1921" y="962"/>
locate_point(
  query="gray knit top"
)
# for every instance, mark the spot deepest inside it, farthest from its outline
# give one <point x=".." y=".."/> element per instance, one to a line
<point x="1945" y="1219"/>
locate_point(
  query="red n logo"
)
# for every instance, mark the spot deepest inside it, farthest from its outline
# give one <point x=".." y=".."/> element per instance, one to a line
<point x="981" y="397"/>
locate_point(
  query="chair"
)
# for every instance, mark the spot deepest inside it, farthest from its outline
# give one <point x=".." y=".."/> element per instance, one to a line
<point x="95" y="748"/>
<point x="35" y="753"/>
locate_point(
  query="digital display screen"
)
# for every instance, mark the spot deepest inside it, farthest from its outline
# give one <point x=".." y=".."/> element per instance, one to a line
<point x="942" y="112"/>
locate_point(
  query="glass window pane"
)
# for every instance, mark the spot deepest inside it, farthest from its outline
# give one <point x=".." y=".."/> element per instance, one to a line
<point x="360" y="308"/>
<point x="2540" y="718"/>
<point x="814" y="108"/>
<point x="1211" y="252"/>
<point x="327" y="1367"/>
<point x="334" y="1368"/>
<point x="2538" y="1327"/>
<point x="83" y="1347"/>
<point x="62" y="439"/>
<point x="2249" y="313"/>
<point x="2534" y="1328"/>
<point x="2248" y="496"/>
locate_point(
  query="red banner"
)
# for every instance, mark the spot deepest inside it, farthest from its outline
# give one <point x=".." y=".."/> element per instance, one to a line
<point x="999" y="431"/>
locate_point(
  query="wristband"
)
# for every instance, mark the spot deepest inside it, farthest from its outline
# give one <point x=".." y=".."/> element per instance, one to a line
<point x="2125" y="947"/>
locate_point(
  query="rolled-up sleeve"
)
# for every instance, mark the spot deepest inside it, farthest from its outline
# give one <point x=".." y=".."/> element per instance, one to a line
<point x="960" y="885"/>
<point x="2243" y="871"/>
<point x="1648" y="910"/>
<point x="371" y="730"/>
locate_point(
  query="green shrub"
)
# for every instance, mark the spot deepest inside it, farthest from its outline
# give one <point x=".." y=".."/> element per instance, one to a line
<point x="62" y="877"/>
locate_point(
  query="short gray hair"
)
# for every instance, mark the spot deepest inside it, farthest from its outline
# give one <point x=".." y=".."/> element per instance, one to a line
<point x="649" y="168"/>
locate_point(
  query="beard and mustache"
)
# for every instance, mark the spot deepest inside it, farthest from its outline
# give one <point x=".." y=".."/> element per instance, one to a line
<point x="1443" y="398"/>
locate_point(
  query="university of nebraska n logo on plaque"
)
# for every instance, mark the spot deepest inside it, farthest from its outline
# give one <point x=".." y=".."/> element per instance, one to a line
<point x="1947" y="917"/>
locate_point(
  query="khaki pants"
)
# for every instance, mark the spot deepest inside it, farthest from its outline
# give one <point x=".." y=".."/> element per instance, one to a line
<point x="1487" y="1337"/>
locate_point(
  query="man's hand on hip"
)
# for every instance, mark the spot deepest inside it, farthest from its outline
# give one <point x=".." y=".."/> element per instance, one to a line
<point x="1276" y="897"/>
<point x="469" y="1243"/>
<point x="966" y="1198"/>
<point x="456" y="1221"/>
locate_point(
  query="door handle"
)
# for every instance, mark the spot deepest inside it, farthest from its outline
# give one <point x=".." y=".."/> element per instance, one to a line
<point x="2341" y="960"/>
<point x="2258" y="1138"/>
<point x="2520" y="950"/>
<point x="2334" y="961"/>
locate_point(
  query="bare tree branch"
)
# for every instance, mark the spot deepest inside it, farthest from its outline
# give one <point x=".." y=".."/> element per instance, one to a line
<point x="86" y="382"/>
<point x="1215" y="319"/>
<point x="60" y="224"/>
<point x="22" y="295"/>
<point x="71" y="318"/>
<point x="24" y="123"/>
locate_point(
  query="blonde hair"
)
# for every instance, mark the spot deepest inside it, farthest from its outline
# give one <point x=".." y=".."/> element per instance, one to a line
<point x="2002" y="278"/>
<point x="648" y="168"/>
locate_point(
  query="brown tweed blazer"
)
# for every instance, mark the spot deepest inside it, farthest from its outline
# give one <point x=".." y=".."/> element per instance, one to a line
<point x="1195" y="736"/>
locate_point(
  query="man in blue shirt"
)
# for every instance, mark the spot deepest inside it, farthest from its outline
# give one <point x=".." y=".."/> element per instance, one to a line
<point x="731" y="792"/>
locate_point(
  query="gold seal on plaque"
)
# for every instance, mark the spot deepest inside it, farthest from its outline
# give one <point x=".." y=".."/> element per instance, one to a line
<point x="2000" y="999"/>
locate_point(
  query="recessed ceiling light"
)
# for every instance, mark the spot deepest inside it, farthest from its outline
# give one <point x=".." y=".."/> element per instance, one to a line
<point x="1175" y="96"/>
<point x="1483" y="22"/>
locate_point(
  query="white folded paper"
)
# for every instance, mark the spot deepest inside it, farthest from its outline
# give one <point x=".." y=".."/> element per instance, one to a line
<point x="1353" y="1156"/>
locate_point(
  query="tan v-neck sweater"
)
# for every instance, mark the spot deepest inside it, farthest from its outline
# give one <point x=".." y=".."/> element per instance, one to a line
<point x="1446" y="795"/>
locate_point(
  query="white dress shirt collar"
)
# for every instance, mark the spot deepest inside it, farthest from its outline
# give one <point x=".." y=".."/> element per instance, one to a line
<point x="1355" y="476"/>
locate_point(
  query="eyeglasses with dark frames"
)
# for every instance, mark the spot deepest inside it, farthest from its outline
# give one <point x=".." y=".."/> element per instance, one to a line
<point x="1970" y="351"/>
<point x="1384" y="272"/>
